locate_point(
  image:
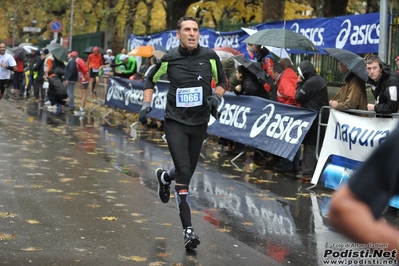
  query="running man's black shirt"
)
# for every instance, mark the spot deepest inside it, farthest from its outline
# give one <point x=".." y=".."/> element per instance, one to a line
<point x="188" y="69"/>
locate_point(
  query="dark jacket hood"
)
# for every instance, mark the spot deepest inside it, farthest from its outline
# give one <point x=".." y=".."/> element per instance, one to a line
<point x="307" y="69"/>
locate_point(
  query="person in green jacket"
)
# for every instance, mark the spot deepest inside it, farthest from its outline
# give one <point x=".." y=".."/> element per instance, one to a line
<point x="129" y="64"/>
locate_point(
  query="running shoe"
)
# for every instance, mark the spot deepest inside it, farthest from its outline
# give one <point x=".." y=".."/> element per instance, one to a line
<point x="191" y="240"/>
<point x="163" y="190"/>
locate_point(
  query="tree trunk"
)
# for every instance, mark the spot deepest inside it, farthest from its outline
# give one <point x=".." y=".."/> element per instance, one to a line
<point x="334" y="8"/>
<point x="132" y="7"/>
<point x="372" y="6"/>
<point x="147" y="23"/>
<point x="273" y="10"/>
<point x="174" y="14"/>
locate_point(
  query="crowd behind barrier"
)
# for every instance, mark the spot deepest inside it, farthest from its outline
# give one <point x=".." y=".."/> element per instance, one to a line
<point x="267" y="125"/>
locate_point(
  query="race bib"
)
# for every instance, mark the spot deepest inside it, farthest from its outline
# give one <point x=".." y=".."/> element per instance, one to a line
<point x="189" y="97"/>
<point x="95" y="70"/>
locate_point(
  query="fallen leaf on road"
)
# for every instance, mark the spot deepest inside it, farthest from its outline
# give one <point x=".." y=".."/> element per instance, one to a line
<point x="223" y="230"/>
<point x="133" y="258"/>
<point x="33" y="222"/>
<point x="32" y="249"/>
<point x="53" y="190"/>
<point x="6" y="237"/>
<point x="165" y="254"/>
<point x="109" y="218"/>
<point x="7" y="215"/>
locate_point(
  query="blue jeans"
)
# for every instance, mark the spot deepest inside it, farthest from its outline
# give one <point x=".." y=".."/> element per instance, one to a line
<point x="71" y="92"/>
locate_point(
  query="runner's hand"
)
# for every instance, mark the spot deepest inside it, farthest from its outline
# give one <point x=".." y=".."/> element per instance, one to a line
<point x="213" y="103"/>
<point x="145" y="109"/>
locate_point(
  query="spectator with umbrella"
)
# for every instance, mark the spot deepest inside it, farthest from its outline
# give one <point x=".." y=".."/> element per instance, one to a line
<point x="352" y="95"/>
<point x="249" y="84"/>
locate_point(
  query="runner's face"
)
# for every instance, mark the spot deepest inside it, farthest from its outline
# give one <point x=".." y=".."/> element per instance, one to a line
<point x="188" y="34"/>
<point x="2" y="48"/>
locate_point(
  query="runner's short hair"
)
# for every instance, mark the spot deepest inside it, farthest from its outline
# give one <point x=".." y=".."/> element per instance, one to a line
<point x="185" y="18"/>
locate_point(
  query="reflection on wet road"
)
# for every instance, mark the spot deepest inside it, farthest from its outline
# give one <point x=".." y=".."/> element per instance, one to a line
<point x="273" y="213"/>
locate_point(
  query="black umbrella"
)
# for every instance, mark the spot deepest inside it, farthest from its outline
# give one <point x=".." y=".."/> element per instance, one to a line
<point x="58" y="51"/>
<point x="282" y="38"/>
<point x="19" y="52"/>
<point x="355" y="63"/>
<point x="89" y="50"/>
<point x="254" y="67"/>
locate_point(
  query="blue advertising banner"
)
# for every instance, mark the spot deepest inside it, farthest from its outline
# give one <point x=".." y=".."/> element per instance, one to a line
<point x="356" y="33"/>
<point x="254" y="121"/>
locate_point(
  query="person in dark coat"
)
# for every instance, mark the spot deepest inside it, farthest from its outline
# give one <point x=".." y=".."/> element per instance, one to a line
<point x="57" y="92"/>
<point x="384" y="86"/>
<point x="71" y="76"/>
<point x="312" y="94"/>
<point x="249" y="84"/>
<point x="39" y="79"/>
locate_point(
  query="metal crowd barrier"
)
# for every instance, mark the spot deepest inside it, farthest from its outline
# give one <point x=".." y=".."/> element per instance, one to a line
<point x="101" y="94"/>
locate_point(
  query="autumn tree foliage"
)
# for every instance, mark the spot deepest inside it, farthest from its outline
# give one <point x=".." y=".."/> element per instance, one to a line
<point x="119" y="18"/>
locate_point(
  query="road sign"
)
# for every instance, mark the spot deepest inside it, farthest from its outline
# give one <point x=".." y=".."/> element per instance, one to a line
<point x="55" y="26"/>
<point x="31" y="29"/>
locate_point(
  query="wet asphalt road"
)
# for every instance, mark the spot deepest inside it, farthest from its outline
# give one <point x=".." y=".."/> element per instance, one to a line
<point x="81" y="191"/>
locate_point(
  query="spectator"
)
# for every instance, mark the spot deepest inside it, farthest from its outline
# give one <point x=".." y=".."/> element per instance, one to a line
<point x="48" y="61"/>
<point x="94" y="62"/>
<point x="312" y="94"/>
<point x="265" y="58"/>
<point x="153" y="62"/>
<point x="230" y="72"/>
<point x="18" y="76"/>
<point x="356" y="207"/>
<point x="129" y="64"/>
<point x="250" y="52"/>
<point x="58" y="68"/>
<point x="118" y="61"/>
<point x="384" y="86"/>
<point x="38" y="69"/>
<point x="57" y="92"/>
<point x="32" y="61"/>
<point x="249" y="84"/>
<point x="286" y="80"/>
<point x="71" y="77"/>
<point x="397" y="63"/>
<point x="352" y="94"/>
